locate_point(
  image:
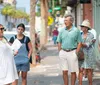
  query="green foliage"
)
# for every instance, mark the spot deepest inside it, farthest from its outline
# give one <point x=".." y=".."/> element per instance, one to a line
<point x="38" y="14"/>
<point x="38" y="4"/>
<point x="11" y="11"/>
<point x="7" y="10"/>
<point x="55" y="7"/>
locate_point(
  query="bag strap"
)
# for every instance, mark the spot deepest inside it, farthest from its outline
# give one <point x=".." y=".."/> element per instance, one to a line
<point x="25" y="39"/>
<point x="15" y="37"/>
<point x="5" y="38"/>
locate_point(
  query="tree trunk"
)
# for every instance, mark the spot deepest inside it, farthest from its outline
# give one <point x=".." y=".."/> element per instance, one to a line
<point x="32" y="28"/>
<point x="44" y="17"/>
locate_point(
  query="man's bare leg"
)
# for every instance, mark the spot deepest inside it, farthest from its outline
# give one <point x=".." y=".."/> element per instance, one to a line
<point x="65" y="77"/>
<point x="73" y="78"/>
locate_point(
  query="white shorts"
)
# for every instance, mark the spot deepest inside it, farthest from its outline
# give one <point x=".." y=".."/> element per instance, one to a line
<point x="69" y="61"/>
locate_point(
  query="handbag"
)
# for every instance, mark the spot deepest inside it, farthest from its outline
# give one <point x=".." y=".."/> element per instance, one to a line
<point x="81" y="55"/>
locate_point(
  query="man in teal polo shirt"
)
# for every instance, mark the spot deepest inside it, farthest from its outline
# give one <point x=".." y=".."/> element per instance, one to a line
<point x="69" y="43"/>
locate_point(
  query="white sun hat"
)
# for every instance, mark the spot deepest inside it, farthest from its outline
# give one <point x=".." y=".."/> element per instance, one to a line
<point x="86" y="23"/>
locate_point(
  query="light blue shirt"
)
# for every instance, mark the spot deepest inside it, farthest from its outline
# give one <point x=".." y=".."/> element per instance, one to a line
<point x="69" y="39"/>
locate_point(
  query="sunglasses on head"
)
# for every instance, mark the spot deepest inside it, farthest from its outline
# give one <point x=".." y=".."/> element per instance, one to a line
<point x="1" y="28"/>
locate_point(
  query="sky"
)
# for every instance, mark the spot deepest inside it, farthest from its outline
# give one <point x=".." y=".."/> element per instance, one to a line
<point x="23" y="4"/>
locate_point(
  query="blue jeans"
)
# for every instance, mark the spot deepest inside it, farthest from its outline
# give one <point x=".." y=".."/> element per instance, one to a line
<point x="54" y="39"/>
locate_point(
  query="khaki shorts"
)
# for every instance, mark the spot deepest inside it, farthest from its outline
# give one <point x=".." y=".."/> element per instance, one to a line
<point x="69" y="61"/>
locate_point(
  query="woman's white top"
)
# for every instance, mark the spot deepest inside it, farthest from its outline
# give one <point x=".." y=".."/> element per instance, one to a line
<point x="8" y="71"/>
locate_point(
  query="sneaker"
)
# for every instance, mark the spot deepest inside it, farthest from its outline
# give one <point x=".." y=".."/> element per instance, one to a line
<point x="84" y="79"/>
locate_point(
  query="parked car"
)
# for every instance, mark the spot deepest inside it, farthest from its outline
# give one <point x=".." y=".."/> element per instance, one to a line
<point x="9" y="34"/>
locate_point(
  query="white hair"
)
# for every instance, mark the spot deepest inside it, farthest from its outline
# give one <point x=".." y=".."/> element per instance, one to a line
<point x="71" y="17"/>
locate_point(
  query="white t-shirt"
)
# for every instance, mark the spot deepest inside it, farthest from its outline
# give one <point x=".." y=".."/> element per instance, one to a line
<point x="93" y="32"/>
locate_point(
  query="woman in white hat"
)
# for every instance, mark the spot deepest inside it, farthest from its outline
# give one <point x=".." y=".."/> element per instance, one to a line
<point x="87" y="47"/>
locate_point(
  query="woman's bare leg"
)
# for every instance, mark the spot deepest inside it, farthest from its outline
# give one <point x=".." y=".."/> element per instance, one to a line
<point x="89" y="72"/>
<point x="80" y="76"/>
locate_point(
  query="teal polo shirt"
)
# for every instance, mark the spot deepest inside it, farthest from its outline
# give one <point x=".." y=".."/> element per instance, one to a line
<point x="69" y="39"/>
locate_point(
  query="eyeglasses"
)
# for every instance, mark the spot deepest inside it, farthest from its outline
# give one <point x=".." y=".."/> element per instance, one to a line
<point x="1" y="29"/>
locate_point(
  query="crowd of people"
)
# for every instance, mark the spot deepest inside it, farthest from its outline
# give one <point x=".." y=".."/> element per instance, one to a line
<point x="16" y="53"/>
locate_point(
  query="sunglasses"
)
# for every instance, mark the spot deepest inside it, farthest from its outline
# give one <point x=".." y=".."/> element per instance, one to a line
<point x="1" y="29"/>
<point x="82" y="26"/>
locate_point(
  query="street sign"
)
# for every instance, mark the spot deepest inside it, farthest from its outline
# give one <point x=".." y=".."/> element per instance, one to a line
<point x="57" y="8"/>
<point x="50" y="20"/>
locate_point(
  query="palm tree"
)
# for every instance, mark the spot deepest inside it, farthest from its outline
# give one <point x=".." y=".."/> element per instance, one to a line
<point x="44" y="17"/>
<point x="32" y="28"/>
<point x="8" y="10"/>
<point x="11" y="11"/>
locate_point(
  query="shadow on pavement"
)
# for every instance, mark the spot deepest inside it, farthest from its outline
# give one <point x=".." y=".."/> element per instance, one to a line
<point x="44" y="80"/>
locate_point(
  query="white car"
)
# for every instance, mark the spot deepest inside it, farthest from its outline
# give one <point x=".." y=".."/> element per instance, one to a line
<point x="9" y="34"/>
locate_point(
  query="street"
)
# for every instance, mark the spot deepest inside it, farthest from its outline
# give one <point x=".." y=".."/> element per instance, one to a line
<point x="48" y="72"/>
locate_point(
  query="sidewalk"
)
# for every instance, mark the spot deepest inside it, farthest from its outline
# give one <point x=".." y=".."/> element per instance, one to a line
<point x="48" y="72"/>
